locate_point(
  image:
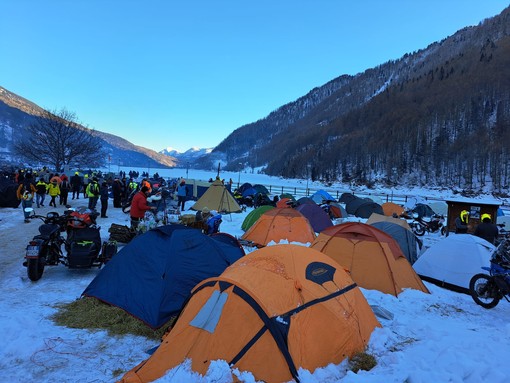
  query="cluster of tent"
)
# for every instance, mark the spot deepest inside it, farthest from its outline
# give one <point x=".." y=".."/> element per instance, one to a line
<point x="267" y="311"/>
<point x="281" y="307"/>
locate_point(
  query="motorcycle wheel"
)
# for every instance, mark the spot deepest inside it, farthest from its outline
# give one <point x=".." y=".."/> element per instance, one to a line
<point x="484" y="291"/>
<point x="35" y="268"/>
<point x="418" y="230"/>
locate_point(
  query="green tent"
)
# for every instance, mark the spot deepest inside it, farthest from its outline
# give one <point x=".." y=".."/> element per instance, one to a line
<point x="254" y="215"/>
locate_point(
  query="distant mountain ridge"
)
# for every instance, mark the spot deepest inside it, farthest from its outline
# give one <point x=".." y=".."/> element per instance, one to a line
<point x="17" y="112"/>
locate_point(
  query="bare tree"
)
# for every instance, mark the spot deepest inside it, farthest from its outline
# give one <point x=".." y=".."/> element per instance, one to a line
<point x="56" y="138"/>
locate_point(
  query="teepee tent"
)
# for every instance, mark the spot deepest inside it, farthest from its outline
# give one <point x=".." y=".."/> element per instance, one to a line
<point x="280" y="224"/>
<point x="279" y="309"/>
<point x="373" y="257"/>
<point x="218" y="198"/>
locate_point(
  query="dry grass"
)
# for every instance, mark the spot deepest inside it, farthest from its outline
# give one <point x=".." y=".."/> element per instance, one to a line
<point x="92" y="314"/>
<point x="362" y="361"/>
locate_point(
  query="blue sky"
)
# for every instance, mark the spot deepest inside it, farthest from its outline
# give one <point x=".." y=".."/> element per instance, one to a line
<point x="182" y="74"/>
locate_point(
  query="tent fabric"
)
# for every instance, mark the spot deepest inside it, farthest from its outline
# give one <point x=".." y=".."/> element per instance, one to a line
<point x="346" y="197"/>
<point x="261" y="189"/>
<point x="337" y="211"/>
<point x="153" y="275"/>
<point x="304" y="200"/>
<point x="439" y="207"/>
<point x="289" y="196"/>
<point x="254" y="215"/>
<point x="452" y="261"/>
<point x="280" y="224"/>
<point x="405" y="238"/>
<point x="249" y="192"/>
<point x="373" y="257"/>
<point x="284" y="203"/>
<point x="363" y="208"/>
<point x="244" y="187"/>
<point x="390" y="208"/>
<point x="217" y="198"/>
<point x="321" y="196"/>
<point x="423" y="210"/>
<point x="277" y="310"/>
<point x="317" y="217"/>
<point x="384" y="218"/>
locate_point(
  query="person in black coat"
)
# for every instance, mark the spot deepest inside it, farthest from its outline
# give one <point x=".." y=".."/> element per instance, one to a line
<point x="76" y="185"/>
<point x="117" y="192"/>
<point x="486" y="229"/>
<point x="103" y="192"/>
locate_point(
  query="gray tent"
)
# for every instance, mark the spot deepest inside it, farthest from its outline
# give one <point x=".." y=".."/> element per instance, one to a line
<point x="406" y="239"/>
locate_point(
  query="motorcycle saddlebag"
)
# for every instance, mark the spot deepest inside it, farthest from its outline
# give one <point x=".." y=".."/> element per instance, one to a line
<point x="83" y="247"/>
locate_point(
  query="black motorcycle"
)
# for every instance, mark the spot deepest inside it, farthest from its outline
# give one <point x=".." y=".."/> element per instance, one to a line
<point x="82" y="244"/>
<point x="421" y="226"/>
<point x="488" y="290"/>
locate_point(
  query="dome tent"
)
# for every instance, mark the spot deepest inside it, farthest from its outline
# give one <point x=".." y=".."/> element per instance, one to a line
<point x="373" y="257"/>
<point x="280" y="224"/>
<point x="151" y="277"/>
<point x="452" y="261"/>
<point x="277" y="310"/>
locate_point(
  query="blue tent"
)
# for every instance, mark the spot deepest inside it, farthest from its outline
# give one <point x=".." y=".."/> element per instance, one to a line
<point x="321" y="196"/>
<point x="152" y="276"/>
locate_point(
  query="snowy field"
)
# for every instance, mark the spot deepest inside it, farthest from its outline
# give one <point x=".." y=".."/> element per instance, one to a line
<point x="441" y="337"/>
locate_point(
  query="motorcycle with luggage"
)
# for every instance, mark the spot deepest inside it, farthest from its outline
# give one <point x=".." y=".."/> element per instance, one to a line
<point x="421" y="225"/>
<point x="81" y="248"/>
<point x="488" y="290"/>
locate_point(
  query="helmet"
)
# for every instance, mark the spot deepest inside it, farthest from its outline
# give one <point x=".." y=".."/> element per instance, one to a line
<point x="464" y="215"/>
<point x="486" y="216"/>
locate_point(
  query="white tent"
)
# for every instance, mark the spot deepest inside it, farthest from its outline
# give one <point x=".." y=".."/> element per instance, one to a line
<point x="452" y="261"/>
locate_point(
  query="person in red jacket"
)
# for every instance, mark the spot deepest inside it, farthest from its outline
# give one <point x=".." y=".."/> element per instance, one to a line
<point x="139" y="206"/>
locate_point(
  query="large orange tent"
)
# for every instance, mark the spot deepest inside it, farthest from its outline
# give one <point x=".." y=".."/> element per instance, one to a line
<point x="275" y="311"/>
<point x="373" y="257"/>
<point x="280" y="224"/>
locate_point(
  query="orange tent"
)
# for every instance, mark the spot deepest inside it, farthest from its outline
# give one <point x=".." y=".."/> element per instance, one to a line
<point x="390" y="208"/>
<point x="373" y="257"/>
<point x="276" y="310"/>
<point x="280" y="224"/>
<point x="284" y="203"/>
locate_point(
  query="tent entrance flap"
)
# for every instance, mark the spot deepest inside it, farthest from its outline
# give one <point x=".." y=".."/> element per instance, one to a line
<point x="209" y="315"/>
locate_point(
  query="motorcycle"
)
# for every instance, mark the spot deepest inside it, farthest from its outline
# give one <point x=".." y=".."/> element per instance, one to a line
<point x="488" y="290"/>
<point x="82" y="244"/>
<point x="420" y="226"/>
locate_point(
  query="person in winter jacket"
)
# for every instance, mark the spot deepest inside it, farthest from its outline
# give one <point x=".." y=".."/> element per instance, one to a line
<point x="40" y="193"/>
<point x="117" y="192"/>
<point x="461" y="222"/>
<point x="181" y="194"/>
<point x="104" y="199"/>
<point x="93" y="191"/>
<point x="76" y="185"/>
<point x="25" y="194"/>
<point x="486" y="229"/>
<point x="53" y="192"/>
<point x="65" y="187"/>
<point x="139" y="206"/>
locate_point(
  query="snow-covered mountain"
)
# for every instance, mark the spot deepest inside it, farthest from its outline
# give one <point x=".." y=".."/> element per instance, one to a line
<point x="190" y="155"/>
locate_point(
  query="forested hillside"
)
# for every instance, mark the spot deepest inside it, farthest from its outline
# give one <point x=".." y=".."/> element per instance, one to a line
<point x="438" y="116"/>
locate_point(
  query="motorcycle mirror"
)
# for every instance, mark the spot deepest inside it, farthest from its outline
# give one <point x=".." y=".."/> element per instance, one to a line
<point x="28" y="210"/>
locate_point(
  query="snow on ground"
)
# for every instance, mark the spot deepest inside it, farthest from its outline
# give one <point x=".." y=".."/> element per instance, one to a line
<point x="441" y="337"/>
